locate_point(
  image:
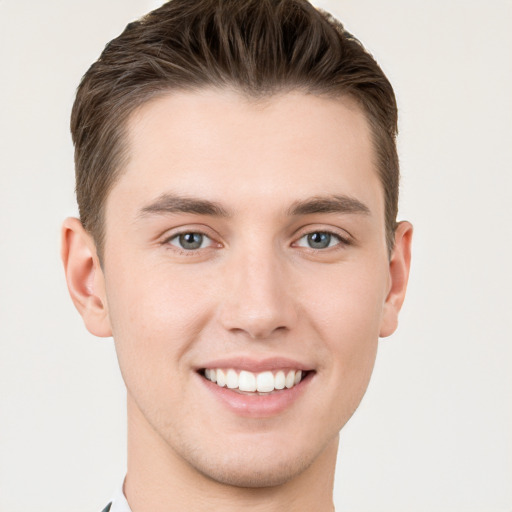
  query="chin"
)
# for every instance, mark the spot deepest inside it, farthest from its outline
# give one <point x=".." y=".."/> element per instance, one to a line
<point x="254" y="461"/>
<point x="254" y="474"/>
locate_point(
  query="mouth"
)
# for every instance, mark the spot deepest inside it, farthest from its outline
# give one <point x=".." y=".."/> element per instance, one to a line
<point x="257" y="388"/>
<point x="252" y="383"/>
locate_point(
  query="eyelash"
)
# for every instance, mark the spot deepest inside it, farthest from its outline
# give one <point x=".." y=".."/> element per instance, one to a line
<point x="342" y="242"/>
<point x="188" y="252"/>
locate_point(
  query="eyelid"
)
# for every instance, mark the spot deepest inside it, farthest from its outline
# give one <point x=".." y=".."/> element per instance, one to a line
<point x="173" y="233"/>
<point x="178" y="235"/>
<point x="344" y="237"/>
<point x="333" y="236"/>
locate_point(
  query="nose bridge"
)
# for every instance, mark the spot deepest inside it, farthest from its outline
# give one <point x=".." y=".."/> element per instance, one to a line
<point x="258" y="300"/>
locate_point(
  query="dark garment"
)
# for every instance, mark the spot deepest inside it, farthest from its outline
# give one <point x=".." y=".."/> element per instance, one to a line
<point x="107" y="508"/>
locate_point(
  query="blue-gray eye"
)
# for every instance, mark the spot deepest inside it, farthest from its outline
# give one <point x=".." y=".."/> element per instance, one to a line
<point x="190" y="241"/>
<point x="318" y="240"/>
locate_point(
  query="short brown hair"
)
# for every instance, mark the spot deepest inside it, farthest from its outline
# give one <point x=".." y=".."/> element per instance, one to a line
<point x="259" y="47"/>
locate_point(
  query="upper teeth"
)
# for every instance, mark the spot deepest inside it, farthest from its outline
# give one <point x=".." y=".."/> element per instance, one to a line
<point x="247" y="381"/>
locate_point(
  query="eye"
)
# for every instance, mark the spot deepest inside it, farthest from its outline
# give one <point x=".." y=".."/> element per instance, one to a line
<point x="190" y="241"/>
<point x="319" y="240"/>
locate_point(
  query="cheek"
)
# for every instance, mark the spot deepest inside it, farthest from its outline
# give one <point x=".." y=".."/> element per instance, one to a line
<point x="154" y="301"/>
<point x="154" y="321"/>
<point x="347" y="306"/>
<point x="347" y="317"/>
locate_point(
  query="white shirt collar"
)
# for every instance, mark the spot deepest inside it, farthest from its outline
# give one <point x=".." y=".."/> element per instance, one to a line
<point x="119" y="503"/>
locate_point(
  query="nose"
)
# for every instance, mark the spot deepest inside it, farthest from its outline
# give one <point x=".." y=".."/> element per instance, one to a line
<point x="258" y="300"/>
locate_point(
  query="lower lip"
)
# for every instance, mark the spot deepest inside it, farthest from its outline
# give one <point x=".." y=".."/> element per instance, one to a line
<point x="258" y="406"/>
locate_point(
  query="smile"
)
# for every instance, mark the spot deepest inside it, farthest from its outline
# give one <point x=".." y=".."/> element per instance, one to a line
<point x="249" y="382"/>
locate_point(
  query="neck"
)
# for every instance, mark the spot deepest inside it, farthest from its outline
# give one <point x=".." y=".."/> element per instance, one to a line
<point x="159" y="480"/>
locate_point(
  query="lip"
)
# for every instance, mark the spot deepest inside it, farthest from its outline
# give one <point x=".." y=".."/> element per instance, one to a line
<point x="256" y="405"/>
<point x="256" y="365"/>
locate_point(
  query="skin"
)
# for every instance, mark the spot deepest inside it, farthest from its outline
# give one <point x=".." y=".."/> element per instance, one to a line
<point x="255" y="288"/>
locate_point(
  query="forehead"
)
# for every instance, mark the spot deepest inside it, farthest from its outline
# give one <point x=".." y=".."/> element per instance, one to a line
<point x="220" y="145"/>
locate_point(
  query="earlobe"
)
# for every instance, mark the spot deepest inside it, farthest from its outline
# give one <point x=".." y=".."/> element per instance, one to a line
<point x="399" y="267"/>
<point x="84" y="277"/>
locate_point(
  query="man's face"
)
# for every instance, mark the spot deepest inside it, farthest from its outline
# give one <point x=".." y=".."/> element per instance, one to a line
<point x="246" y="237"/>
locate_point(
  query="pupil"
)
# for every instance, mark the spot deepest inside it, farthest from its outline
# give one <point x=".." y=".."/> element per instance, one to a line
<point x="319" y="240"/>
<point x="191" y="240"/>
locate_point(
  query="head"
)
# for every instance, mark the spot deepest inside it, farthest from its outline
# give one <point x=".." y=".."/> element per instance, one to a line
<point x="237" y="180"/>
<point x="257" y="47"/>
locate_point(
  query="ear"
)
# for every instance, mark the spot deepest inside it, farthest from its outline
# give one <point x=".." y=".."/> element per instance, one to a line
<point x="399" y="266"/>
<point x="84" y="276"/>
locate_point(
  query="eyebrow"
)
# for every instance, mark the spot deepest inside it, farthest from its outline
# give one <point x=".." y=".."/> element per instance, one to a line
<point x="171" y="203"/>
<point x="328" y="204"/>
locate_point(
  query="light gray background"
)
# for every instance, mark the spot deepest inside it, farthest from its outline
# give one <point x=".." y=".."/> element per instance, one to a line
<point x="434" y="430"/>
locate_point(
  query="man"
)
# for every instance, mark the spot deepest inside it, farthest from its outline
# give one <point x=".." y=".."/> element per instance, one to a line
<point x="237" y="181"/>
